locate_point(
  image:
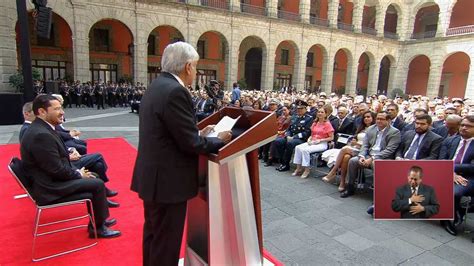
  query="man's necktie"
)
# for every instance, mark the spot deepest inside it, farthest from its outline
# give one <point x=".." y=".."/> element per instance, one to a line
<point x="458" y="158"/>
<point x="411" y="152"/>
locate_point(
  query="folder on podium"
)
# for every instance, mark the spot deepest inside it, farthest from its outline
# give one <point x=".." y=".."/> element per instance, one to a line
<point x="224" y="224"/>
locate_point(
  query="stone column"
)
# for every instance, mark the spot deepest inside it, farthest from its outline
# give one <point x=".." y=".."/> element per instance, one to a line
<point x="351" y="76"/>
<point x="327" y="73"/>
<point x="333" y="12"/>
<point x="444" y="18"/>
<point x="80" y="43"/>
<point x="272" y="9"/>
<point x="8" y="62"/>
<point x="268" y="68"/>
<point x="380" y="20"/>
<point x="194" y="2"/>
<point x="232" y="64"/>
<point x="373" y="81"/>
<point x="140" y="50"/>
<point x="404" y="28"/>
<point x="391" y="79"/>
<point x="434" y="80"/>
<point x="469" y="92"/>
<point x="305" y="6"/>
<point x="300" y="72"/>
<point x="357" y="15"/>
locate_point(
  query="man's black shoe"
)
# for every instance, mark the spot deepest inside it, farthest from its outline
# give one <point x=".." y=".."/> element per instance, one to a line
<point x="110" y="193"/>
<point x="284" y="168"/>
<point x="449" y="227"/>
<point x="113" y="204"/>
<point x="104" y="232"/>
<point x="347" y="193"/>
<point x="370" y="210"/>
<point x="268" y="163"/>
<point x="110" y="222"/>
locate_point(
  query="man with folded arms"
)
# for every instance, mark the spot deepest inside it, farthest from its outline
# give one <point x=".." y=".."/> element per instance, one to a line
<point x="54" y="180"/>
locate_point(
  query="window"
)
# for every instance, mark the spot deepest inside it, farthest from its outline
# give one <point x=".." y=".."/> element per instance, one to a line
<point x="153" y="73"/>
<point x="47" y="42"/>
<point x="101" y="40"/>
<point x="201" y="49"/>
<point x="309" y="59"/>
<point x="283" y="80"/>
<point x="151" y="45"/>
<point x="203" y="76"/>
<point x="104" y="72"/>
<point x="50" y="70"/>
<point x="308" y="82"/>
<point x="284" y="56"/>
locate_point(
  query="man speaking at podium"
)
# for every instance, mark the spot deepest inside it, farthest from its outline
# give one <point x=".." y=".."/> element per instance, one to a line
<point x="166" y="168"/>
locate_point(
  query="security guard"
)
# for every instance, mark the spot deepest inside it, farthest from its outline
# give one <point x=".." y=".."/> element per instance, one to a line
<point x="297" y="133"/>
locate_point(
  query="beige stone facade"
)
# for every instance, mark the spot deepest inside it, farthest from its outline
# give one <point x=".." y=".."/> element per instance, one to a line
<point x="192" y="20"/>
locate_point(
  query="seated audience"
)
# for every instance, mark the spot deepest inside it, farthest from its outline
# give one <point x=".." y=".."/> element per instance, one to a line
<point x="344" y="124"/>
<point x="347" y="152"/>
<point x="322" y="133"/>
<point x="451" y="127"/>
<point x="397" y="120"/>
<point x="380" y="143"/>
<point x="46" y="163"/>
<point x="415" y="113"/>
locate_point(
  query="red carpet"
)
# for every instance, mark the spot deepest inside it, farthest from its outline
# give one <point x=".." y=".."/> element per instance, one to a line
<point x="17" y="216"/>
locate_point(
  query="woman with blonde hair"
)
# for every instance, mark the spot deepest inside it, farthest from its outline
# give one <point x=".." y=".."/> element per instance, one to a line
<point x="322" y="133"/>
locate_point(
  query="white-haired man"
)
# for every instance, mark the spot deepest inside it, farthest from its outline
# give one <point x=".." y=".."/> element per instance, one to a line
<point x="166" y="168"/>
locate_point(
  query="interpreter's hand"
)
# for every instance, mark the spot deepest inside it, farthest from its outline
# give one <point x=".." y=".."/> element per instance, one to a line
<point x="417" y="198"/>
<point x="74" y="133"/>
<point x="208" y="129"/>
<point x="417" y="209"/>
<point x="85" y="173"/>
<point x="362" y="161"/>
<point x="367" y="162"/>
<point x="225" y="136"/>
<point x="460" y="180"/>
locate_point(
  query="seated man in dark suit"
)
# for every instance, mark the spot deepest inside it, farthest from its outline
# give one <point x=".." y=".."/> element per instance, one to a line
<point x="415" y="200"/>
<point x="29" y="116"/>
<point x="46" y="163"/>
<point x="421" y="143"/>
<point x="460" y="148"/>
<point x="451" y="127"/>
<point x="343" y="125"/>
<point x="71" y="139"/>
<point x="397" y="120"/>
<point x="380" y="143"/>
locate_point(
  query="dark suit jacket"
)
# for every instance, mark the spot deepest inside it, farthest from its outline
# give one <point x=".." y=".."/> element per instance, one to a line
<point x="166" y="168"/>
<point x="390" y="141"/>
<point x="23" y="129"/>
<point x="46" y="162"/>
<point x="438" y="123"/>
<point x="429" y="147"/>
<point x="448" y="150"/>
<point x="64" y="133"/>
<point x="408" y="127"/>
<point x="347" y="126"/>
<point x="399" y="123"/>
<point x="403" y="193"/>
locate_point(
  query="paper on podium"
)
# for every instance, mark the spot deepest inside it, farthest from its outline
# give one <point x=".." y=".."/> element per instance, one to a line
<point x="226" y="124"/>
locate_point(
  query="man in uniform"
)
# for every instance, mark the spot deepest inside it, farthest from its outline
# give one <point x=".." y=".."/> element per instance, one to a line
<point x="297" y="133"/>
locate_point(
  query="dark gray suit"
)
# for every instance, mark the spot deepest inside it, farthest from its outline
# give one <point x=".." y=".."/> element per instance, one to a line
<point x="388" y="147"/>
<point x="403" y="193"/>
<point x="427" y="150"/>
<point x="166" y="168"/>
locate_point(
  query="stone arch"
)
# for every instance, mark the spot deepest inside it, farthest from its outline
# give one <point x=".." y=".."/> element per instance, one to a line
<point x="208" y="26"/>
<point x="286" y="73"/>
<point x="97" y="14"/>
<point x="343" y="61"/>
<point x="64" y="9"/>
<point x="456" y="66"/>
<point x="418" y="75"/>
<point x="214" y="59"/>
<point x="386" y="74"/>
<point x="417" y="25"/>
<point x="460" y="9"/>
<point x="113" y="60"/>
<point x="389" y="17"/>
<point x="249" y="71"/>
<point x="315" y="71"/>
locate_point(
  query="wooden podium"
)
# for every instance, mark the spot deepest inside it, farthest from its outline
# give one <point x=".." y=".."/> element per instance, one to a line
<point x="224" y="224"/>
